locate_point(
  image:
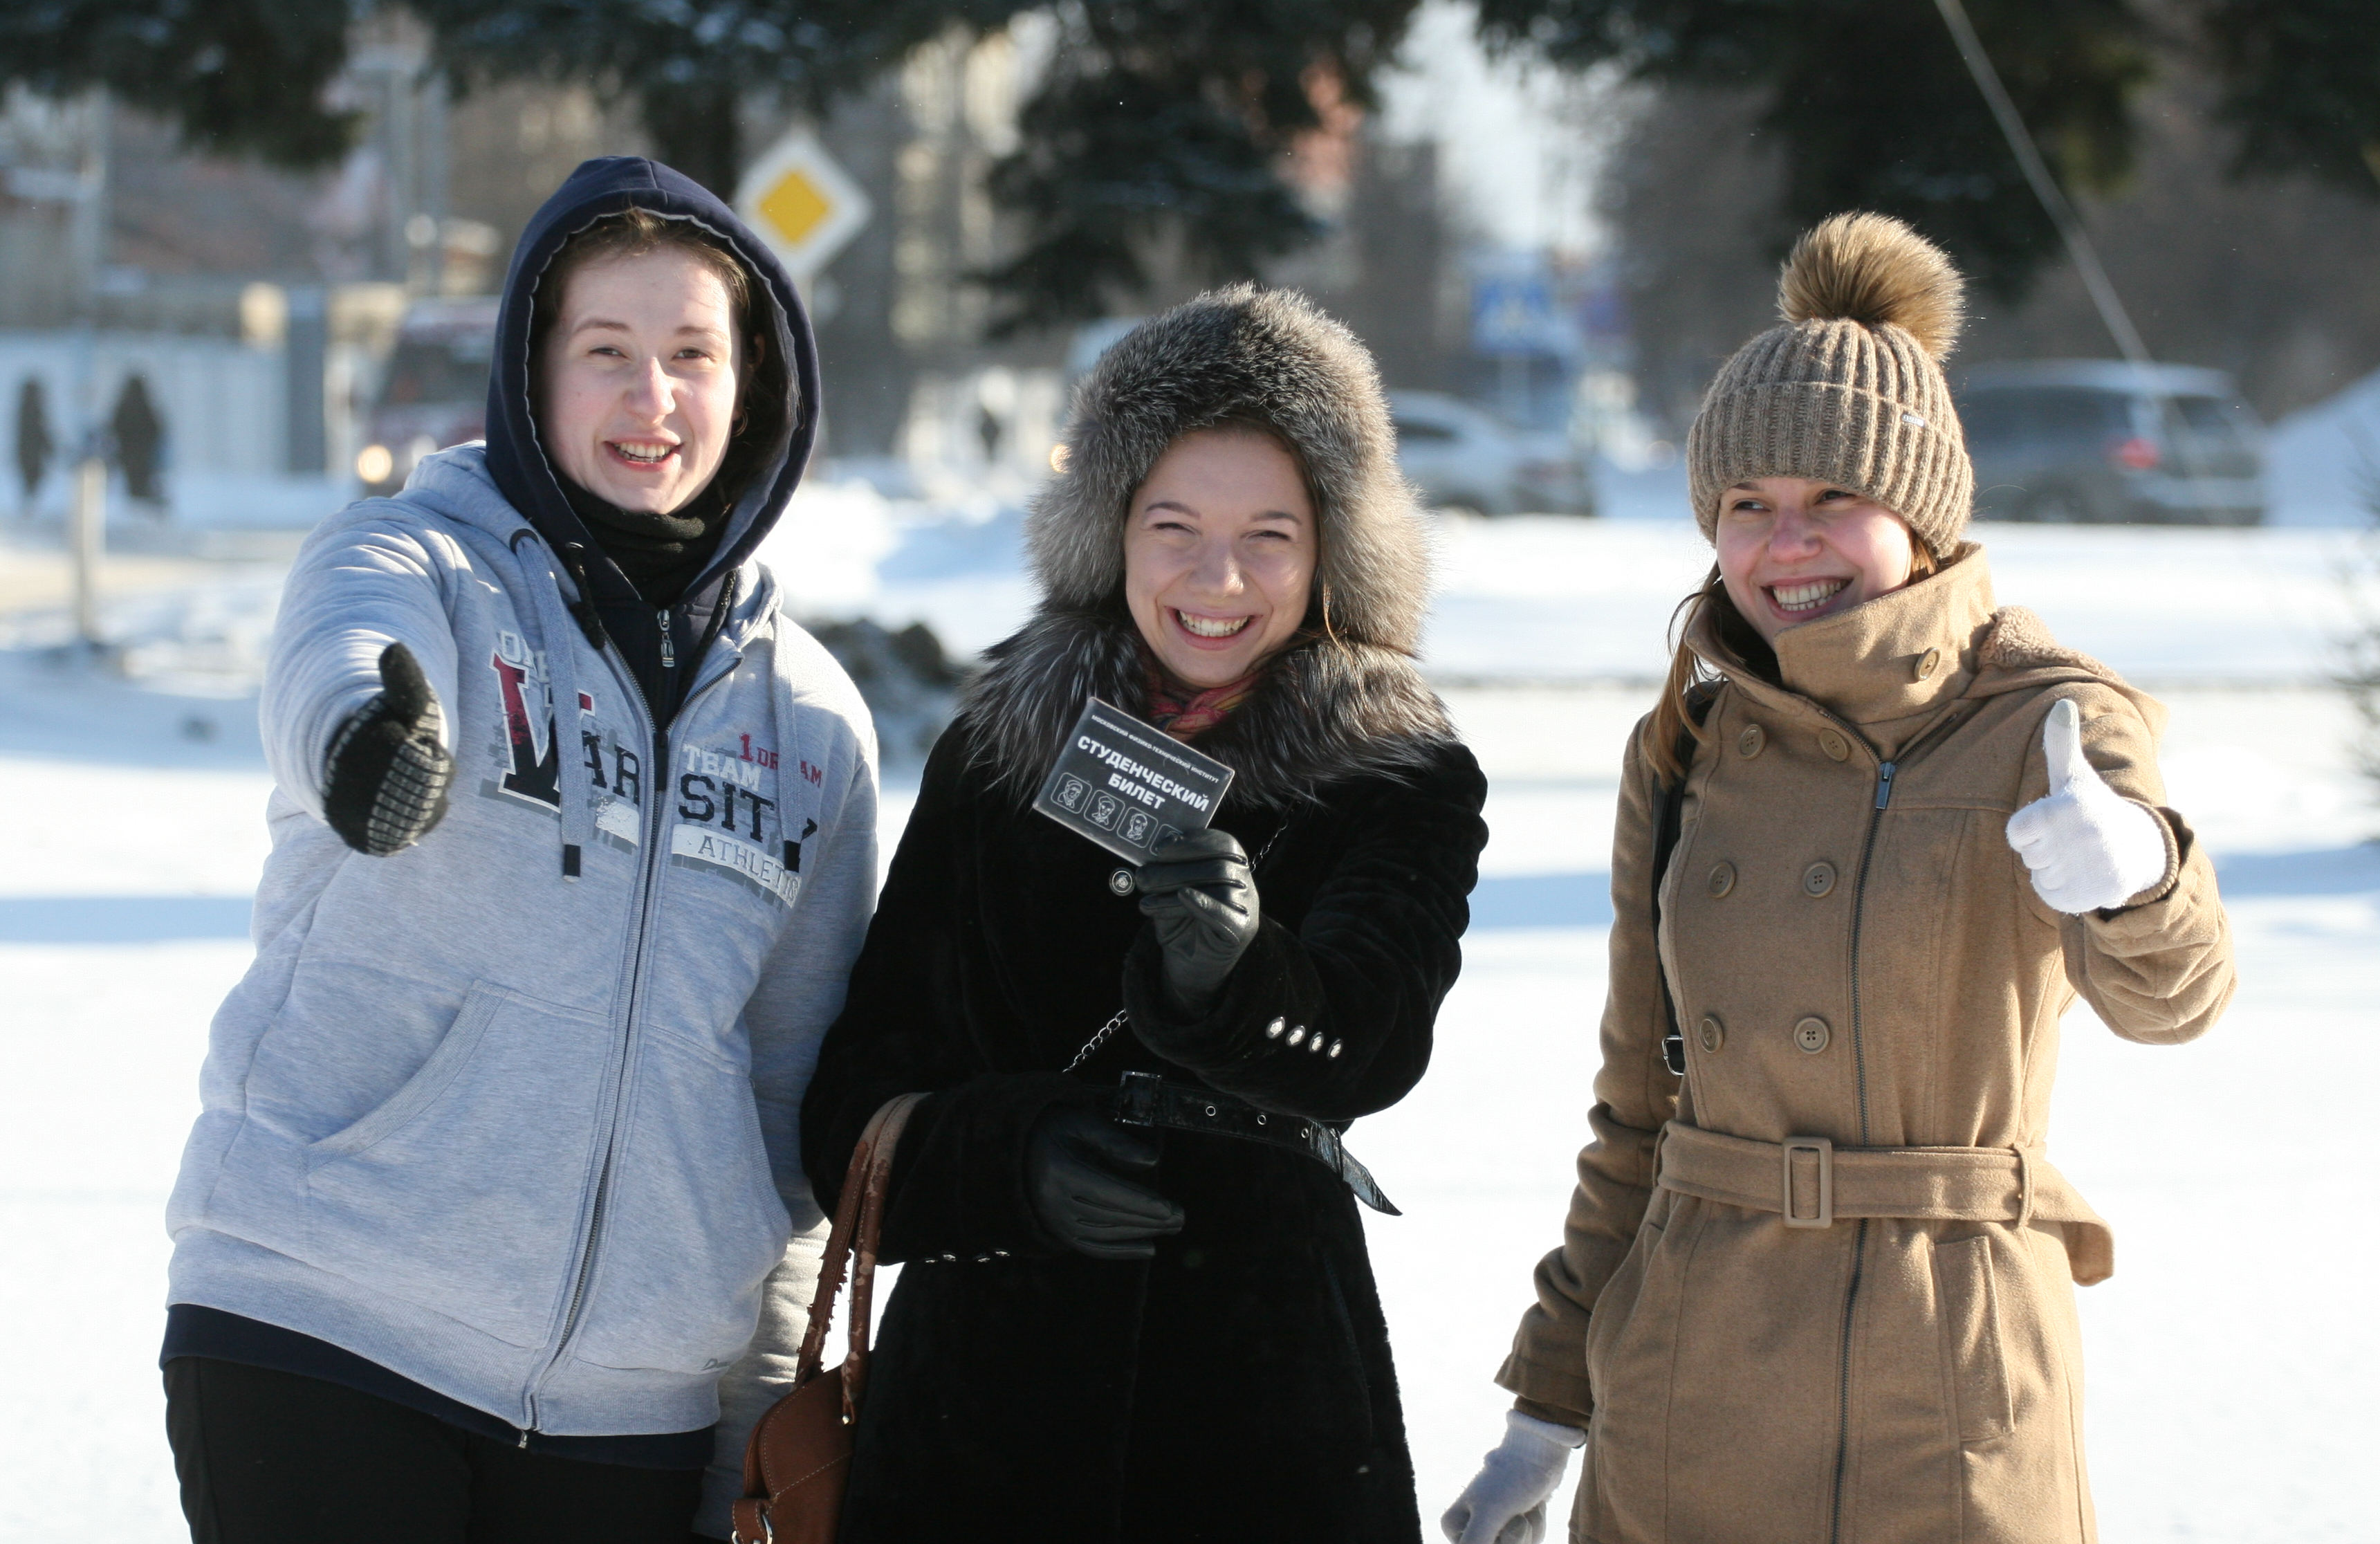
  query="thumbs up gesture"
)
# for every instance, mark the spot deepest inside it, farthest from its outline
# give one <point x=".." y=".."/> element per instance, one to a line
<point x="2087" y="845"/>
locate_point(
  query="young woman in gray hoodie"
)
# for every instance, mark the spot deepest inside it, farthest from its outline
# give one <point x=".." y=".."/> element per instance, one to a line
<point x="574" y="843"/>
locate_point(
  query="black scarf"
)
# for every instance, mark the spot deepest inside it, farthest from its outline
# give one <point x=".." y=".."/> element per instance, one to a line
<point x="661" y="554"/>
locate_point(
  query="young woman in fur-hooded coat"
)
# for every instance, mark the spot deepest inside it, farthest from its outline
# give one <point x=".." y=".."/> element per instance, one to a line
<point x="1816" y="1291"/>
<point x="1104" y="1333"/>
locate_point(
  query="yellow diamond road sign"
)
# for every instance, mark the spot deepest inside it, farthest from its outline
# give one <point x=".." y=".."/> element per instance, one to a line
<point x="801" y="203"/>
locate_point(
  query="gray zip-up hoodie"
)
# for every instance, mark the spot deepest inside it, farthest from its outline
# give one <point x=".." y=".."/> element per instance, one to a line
<point x="527" y="1139"/>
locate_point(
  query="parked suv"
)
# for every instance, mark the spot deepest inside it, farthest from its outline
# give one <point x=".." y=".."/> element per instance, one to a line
<point x="434" y="392"/>
<point x="1465" y="458"/>
<point x="2100" y="441"/>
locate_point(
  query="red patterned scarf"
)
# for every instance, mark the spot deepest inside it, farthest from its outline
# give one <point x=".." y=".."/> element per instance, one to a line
<point x="1183" y="713"/>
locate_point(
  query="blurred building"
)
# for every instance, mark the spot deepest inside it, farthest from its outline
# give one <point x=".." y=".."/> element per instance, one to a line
<point x="260" y="308"/>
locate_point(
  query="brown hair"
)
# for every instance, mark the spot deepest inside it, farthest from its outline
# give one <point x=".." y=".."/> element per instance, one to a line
<point x="1672" y="719"/>
<point x="634" y="233"/>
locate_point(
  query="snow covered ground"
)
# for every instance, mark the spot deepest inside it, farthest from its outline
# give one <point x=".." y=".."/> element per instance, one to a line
<point x="2229" y="1357"/>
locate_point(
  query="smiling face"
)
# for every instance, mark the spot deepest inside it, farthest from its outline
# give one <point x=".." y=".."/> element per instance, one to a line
<point x="637" y="379"/>
<point x="1218" y="553"/>
<point x="1792" y="550"/>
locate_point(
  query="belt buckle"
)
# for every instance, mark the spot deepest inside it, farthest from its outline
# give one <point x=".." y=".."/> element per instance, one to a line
<point x="1138" y="1098"/>
<point x="1825" y="1152"/>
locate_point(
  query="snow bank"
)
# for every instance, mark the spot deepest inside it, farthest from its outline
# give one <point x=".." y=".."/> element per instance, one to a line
<point x="2325" y="460"/>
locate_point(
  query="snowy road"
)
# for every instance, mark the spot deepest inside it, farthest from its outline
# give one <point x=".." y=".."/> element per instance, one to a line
<point x="2230" y="1357"/>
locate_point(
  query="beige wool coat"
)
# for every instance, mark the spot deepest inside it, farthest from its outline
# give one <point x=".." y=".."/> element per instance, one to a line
<point x="1859" y="960"/>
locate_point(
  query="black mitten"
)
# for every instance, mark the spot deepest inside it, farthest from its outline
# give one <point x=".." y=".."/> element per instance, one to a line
<point x="1077" y="1164"/>
<point x="387" y="778"/>
<point x="1201" y="900"/>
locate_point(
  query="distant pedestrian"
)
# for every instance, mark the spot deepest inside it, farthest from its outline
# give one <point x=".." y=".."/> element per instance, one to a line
<point x="139" y="435"/>
<point x="35" y="445"/>
<point x="1876" y="837"/>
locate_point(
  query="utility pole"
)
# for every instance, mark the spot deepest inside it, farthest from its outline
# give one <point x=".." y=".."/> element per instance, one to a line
<point x="87" y="540"/>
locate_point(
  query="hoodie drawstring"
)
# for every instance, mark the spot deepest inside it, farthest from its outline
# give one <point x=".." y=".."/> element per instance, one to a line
<point x="582" y="610"/>
<point x="556" y="614"/>
<point x="781" y="708"/>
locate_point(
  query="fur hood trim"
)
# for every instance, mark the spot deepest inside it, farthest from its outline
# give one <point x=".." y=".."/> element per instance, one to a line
<point x="1325" y="712"/>
<point x="1270" y="356"/>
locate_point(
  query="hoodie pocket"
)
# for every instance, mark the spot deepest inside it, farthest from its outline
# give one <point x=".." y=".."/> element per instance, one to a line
<point x="461" y="1192"/>
<point x="694" y="1224"/>
<point x="1973" y="1343"/>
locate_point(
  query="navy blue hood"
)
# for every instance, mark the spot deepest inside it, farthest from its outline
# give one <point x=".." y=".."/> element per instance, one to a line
<point x="781" y="399"/>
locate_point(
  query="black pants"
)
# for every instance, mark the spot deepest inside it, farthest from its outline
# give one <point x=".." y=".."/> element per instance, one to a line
<point x="271" y="1457"/>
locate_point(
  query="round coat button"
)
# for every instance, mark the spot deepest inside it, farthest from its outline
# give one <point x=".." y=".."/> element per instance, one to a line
<point x="1748" y="744"/>
<point x="1929" y="663"/>
<point x="1834" y="745"/>
<point x="1120" y="881"/>
<point x="1722" y="880"/>
<point x="1714" y="1033"/>
<point x="1810" y="1035"/>
<point x="1818" y="880"/>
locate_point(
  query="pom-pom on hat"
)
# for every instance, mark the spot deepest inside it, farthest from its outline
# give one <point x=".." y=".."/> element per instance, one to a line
<point x="1848" y="390"/>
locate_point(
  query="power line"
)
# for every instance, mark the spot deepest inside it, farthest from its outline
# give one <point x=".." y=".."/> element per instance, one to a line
<point x="2070" y="229"/>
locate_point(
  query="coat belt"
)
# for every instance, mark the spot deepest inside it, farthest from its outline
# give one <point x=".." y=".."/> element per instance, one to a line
<point x="1146" y="1099"/>
<point x="1809" y="1182"/>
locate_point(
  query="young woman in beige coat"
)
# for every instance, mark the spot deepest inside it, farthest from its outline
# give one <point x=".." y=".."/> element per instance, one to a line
<point x="1815" y="1289"/>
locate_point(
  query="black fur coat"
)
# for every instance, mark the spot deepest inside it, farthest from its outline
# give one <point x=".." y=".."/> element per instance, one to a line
<point x="1239" y="1386"/>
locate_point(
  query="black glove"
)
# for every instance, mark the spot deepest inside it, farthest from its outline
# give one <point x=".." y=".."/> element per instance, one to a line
<point x="386" y="773"/>
<point x="1075" y="1164"/>
<point x="1199" y="894"/>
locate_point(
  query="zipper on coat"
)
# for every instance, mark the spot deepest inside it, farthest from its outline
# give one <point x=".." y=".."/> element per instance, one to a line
<point x="655" y="825"/>
<point x="1885" y="771"/>
<point x="669" y="649"/>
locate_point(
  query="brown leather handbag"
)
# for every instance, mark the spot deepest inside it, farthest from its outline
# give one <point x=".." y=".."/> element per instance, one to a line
<point x="798" y="1457"/>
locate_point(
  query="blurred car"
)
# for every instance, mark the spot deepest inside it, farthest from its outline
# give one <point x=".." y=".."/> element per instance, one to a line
<point x="1463" y="458"/>
<point x="434" y="392"/>
<point x="2099" y="441"/>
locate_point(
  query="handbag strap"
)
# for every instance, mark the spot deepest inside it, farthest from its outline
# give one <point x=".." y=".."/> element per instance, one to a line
<point x="1665" y="841"/>
<point x="859" y="1223"/>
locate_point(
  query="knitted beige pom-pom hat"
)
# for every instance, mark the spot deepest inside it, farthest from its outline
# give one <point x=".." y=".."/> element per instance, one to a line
<point x="1849" y="389"/>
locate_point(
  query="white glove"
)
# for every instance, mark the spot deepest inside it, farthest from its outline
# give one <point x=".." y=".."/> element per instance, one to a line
<point x="1505" y="1503"/>
<point x="2088" y="847"/>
